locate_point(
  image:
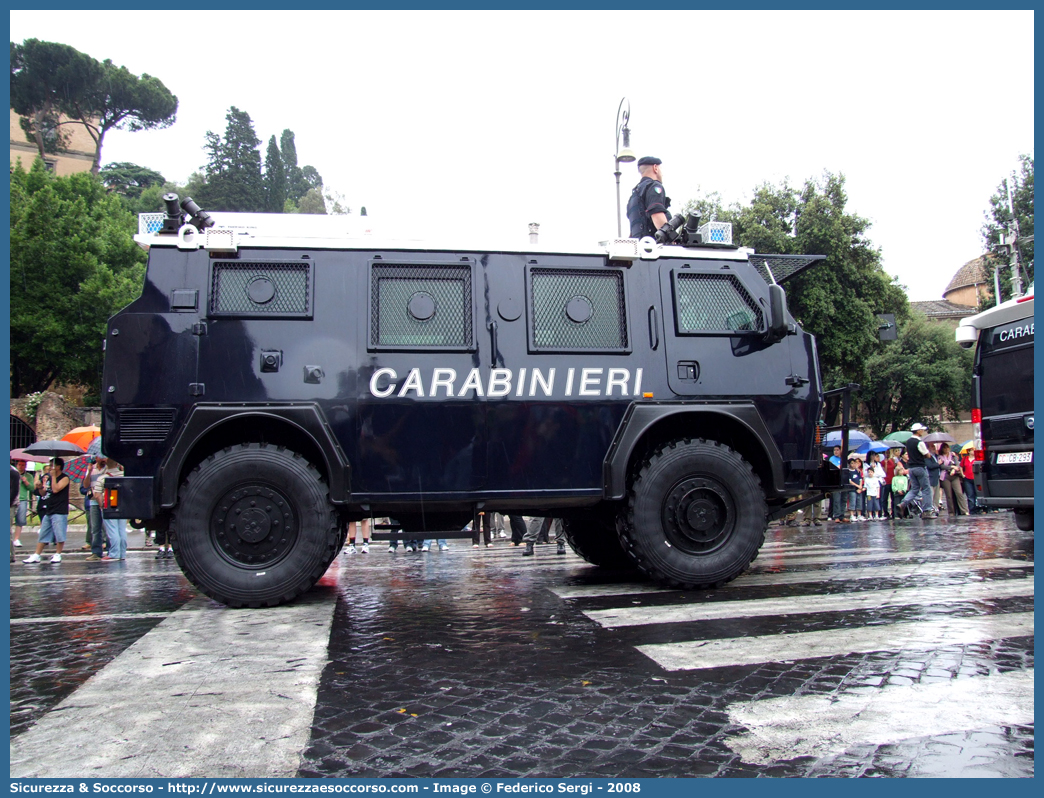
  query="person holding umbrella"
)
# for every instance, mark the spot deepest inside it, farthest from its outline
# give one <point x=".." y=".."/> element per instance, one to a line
<point x="94" y="516"/>
<point x="52" y="486"/>
<point x="950" y="478"/>
<point x="931" y="462"/>
<point x="81" y="470"/>
<point x="920" y="493"/>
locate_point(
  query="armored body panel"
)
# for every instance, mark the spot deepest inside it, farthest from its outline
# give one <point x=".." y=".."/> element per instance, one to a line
<point x="266" y="388"/>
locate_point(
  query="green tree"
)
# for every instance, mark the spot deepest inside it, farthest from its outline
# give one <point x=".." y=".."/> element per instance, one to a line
<point x="295" y="182"/>
<point x="121" y="100"/>
<point x="999" y="219"/>
<point x="233" y="169"/>
<point x="336" y="204"/>
<point x="128" y="179"/>
<point x="275" y="178"/>
<point x="44" y="75"/>
<point x="836" y="300"/>
<point x="73" y="264"/>
<point x="839" y="299"/>
<point x="311" y="177"/>
<point x="51" y="78"/>
<point x="312" y="202"/>
<point x="924" y="372"/>
<point x="151" y="199"/>
<point x="299" y="180"/>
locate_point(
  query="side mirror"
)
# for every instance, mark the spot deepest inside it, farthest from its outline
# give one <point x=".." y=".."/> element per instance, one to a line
<point x="778" y="327"/>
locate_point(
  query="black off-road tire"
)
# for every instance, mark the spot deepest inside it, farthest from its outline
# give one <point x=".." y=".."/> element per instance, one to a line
<point x="594" y="538"/>
<point x="1024" y="519"/>
<point x="254" y="526"/>
<point x="696" y="515"/>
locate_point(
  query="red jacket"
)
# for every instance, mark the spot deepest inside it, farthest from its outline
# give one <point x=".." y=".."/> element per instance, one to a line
<point x="966" y="467"/>
<point x="889" y="466"/>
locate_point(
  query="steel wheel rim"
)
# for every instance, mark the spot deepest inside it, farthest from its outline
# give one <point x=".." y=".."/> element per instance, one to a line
<point x="254" y="525"/>
<point x="698" y="515"/>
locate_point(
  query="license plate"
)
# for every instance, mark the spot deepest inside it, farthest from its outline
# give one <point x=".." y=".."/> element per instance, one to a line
<point x="1009" y="458"/>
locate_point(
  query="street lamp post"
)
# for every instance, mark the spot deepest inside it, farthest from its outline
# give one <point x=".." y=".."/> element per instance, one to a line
<point x="626" y="155"/>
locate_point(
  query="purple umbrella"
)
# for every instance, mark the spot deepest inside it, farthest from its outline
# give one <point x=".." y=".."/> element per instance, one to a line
<point x="19" y="454"/>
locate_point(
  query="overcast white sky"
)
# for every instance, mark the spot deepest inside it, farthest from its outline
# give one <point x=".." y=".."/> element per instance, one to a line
<point x="476" y="121"/>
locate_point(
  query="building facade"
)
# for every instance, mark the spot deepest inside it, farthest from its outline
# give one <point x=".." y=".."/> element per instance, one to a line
<point x="78" y="155"/>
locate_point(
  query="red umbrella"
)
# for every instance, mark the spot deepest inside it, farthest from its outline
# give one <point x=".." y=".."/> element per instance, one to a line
<point x="82" y="436"/>
<point x="19" y="454"/>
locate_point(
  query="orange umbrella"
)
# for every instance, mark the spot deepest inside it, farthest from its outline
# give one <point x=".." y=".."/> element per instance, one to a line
<point x="82" y="436"/>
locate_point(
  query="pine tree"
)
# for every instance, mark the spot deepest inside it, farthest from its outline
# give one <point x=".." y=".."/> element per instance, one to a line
<point x="275" y="179"/>
<point x="233" y="170"/>
<point x="296" y="186"/>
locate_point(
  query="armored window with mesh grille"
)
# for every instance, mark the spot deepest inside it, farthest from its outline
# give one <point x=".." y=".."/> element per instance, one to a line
<point x="714" y="303"/>
<point x="421" y="307"/>
<point x="577" y="310"/>
<point x="261" y="290"/>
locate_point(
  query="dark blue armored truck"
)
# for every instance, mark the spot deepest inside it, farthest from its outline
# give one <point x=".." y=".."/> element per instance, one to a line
<point x="269" y="386"/>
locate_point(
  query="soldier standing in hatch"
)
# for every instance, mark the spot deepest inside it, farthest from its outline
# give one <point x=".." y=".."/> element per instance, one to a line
<point x="647" y="207"/>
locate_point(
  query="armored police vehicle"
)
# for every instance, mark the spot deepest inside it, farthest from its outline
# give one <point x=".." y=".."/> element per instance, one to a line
<point x="1002" y="405"/>
<point x="269" y="386"/>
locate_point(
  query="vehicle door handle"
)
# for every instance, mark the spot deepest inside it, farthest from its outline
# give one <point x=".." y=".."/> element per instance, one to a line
<point x="493" y="342"/>
<point x="654" y="329"/>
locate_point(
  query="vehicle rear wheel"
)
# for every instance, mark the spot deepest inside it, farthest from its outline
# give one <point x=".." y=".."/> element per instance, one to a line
<point x="594" y="538"/>
<point x="254" y="526"/>
<point x="696" y="515"/>
<point x="1024" y="520"/>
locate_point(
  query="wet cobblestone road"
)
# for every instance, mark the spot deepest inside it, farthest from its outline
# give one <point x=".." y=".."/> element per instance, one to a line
<point x="866" y="649"/>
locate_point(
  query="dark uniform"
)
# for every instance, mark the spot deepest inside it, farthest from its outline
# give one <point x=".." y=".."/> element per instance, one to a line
<point x="647" y="198"/>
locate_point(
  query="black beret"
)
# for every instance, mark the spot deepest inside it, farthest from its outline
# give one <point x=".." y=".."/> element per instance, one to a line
<point x="648" y="160"/>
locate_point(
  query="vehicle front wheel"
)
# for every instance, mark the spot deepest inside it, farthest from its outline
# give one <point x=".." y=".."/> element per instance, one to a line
<point x="696" y="515"/>
<point x="254" y="526"/>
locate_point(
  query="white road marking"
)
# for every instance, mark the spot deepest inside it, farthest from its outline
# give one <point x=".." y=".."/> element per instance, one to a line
<point x="799" y="577"/>
<point x="231" y="695"/>
<point x="840" y="557"/>
<point x="701" y="654"/>
<point x="800" y="605"/>
<point x="816" y="551"/>
<point x="826" y="725"/>
<point x="116" y="616"/>
<point x="81" y="577"/>
<point x="779" y="558"/>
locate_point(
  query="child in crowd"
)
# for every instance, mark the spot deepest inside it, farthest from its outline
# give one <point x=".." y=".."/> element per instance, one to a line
<point x="856" y="488"/>
<point x="874" y="478"/>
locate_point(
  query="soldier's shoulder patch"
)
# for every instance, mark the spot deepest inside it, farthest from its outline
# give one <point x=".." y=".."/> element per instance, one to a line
<point x="658" y="189"/>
